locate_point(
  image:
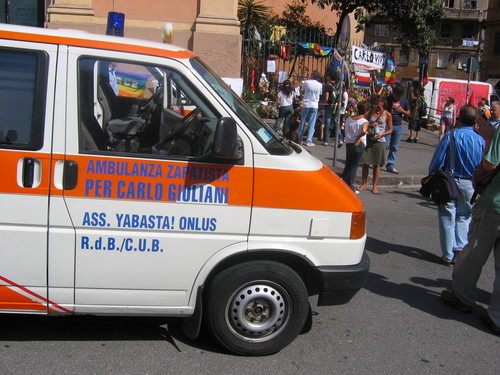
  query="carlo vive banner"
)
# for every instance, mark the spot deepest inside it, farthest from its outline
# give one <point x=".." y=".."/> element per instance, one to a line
<point x="371" y="60"/>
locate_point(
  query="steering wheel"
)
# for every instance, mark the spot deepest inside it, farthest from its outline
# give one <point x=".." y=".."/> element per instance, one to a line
<point x="180" y="127"/>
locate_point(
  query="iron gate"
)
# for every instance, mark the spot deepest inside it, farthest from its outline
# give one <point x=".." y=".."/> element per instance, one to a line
<point x="282" y="59"/>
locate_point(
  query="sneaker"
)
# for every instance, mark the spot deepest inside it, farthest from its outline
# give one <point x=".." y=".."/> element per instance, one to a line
<point x="392" y="170"/>
<point x="325" y="143"/>
<point x="415" y="140"/>
<point x="487" y="320"/>
<point x="449" y="297"/>
<point x="356" y="191"/>
<point x="310" y="144"/>
<point x="340" y="144"/>
<point x="409" y="139"/>
<point x="446" y="263"/>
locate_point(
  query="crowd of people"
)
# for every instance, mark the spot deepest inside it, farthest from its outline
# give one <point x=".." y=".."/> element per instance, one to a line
<point x="320" y="104"/>
<point x="324" y="108"/>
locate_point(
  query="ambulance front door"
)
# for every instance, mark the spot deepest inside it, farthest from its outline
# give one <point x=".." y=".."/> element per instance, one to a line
<point x="148" y="204"/>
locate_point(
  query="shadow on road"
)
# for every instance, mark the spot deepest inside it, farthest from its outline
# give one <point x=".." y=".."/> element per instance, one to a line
<point x="97" y="328"/>
<point x="381" y="247"/>
<point x="426" y="299"/>
<point x="410" y="193"/>
<point x="15" y="327"/>
<point x="420" y="292"/>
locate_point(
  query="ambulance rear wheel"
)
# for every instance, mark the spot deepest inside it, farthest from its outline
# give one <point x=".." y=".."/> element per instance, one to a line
<point x="256" y="308"/>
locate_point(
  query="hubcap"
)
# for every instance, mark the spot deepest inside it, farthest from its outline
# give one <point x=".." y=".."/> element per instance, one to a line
<point x="257" y="311"/>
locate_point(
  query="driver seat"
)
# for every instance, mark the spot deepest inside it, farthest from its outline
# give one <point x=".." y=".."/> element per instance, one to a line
<point x="123" y="131"/>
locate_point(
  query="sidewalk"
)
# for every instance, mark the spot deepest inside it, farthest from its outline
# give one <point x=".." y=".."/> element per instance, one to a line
<point x="412" y="161"/>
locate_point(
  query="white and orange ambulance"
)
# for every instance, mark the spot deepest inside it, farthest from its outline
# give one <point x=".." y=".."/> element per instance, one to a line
<point x="134" y="182"/>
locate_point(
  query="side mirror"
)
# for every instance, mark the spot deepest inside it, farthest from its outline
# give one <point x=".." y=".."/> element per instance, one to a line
<point x="227" y="144"/>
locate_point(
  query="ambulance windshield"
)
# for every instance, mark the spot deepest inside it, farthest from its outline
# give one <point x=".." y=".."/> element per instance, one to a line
<point x="271" y="141"/>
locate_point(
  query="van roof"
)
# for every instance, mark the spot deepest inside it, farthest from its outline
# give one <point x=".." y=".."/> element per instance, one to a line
<point x="80" y="38"/>
<point x="438" y="79"/>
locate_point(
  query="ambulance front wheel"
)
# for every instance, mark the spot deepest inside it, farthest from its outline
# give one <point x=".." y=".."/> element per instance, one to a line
<point x="256" y="308"/>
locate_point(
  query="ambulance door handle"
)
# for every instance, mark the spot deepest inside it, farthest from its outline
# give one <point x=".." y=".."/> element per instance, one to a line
<point x="70" y="175"/>
<point x="28" y="172"/>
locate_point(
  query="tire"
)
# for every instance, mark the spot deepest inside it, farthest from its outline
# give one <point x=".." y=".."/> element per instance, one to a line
<point x="256" y="308"/>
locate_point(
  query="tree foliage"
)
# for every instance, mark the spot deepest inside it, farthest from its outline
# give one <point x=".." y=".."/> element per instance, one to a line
<point x="255" y="15"/>
<point x="252" y="14"/>
<point x="346" y="7"/>
<point x="415" y="23"/>
<point x="299" y="25"/>
<point x="413" y="20"/>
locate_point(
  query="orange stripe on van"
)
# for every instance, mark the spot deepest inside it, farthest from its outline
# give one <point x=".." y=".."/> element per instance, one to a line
<point x="80" y="42"/>
<point x="9" y="297"/>
<point x="11" y="300"/>
<point x="114" y="178"/>
<point x="10" y="184"/>
<point x="320" y="190"/>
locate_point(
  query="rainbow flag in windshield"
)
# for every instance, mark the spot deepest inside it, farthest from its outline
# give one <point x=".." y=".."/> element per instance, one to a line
<point x="131" y="84"/>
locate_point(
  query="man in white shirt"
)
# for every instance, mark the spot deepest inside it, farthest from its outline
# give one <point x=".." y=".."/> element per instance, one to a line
<point x="112" y="78"/>
<point x="494" y="120"/>
<point x="312" y="89"/>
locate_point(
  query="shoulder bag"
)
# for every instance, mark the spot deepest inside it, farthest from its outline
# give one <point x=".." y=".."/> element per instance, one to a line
<point x="440" y="186"/>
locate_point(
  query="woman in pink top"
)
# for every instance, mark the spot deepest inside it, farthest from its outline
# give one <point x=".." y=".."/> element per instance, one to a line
<point x="448" y="117"/>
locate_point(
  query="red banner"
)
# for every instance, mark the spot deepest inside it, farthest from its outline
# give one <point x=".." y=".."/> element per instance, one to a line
<point x="458" y="91"/>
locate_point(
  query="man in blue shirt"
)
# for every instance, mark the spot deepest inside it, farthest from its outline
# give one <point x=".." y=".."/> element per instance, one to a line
<point x="454" y="216"/>
<point x="398" y="105"/>
<point x="484" y="237"/>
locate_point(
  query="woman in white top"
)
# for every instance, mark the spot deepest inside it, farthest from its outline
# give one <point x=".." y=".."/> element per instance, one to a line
<point x="448" y="117"/>
<point x="285" y="103"/>
<point x="355" y="138"/>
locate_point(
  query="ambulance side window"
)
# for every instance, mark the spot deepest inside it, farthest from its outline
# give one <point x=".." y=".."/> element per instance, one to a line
<point x="144" y="110"/>
<point x="22" y="98"/>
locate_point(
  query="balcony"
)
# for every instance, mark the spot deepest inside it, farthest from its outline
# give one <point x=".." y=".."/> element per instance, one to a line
<point x="456" y="43"/>
<point x="465" y="14"/>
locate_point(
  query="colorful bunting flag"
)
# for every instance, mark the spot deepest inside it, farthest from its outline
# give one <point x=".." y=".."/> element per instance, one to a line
<point x="425" y="72"/>
<point x="472" y="101"/>
<point x="337" y="67"/>
<point x="390" y="71"/>
<point x="315" y="49"/>
<point x="363" y="79"/>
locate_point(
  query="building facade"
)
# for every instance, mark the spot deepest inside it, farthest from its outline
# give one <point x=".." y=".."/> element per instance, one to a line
<point x="210" y="28"/>
<point x="459" y="34"/>
<point x="490" y="69"/>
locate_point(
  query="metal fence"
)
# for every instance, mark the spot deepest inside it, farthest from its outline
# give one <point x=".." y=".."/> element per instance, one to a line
<point x="279" y="60"/>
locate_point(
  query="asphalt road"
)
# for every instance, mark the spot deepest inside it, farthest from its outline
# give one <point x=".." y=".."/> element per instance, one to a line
<point x="395" y="325"/>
